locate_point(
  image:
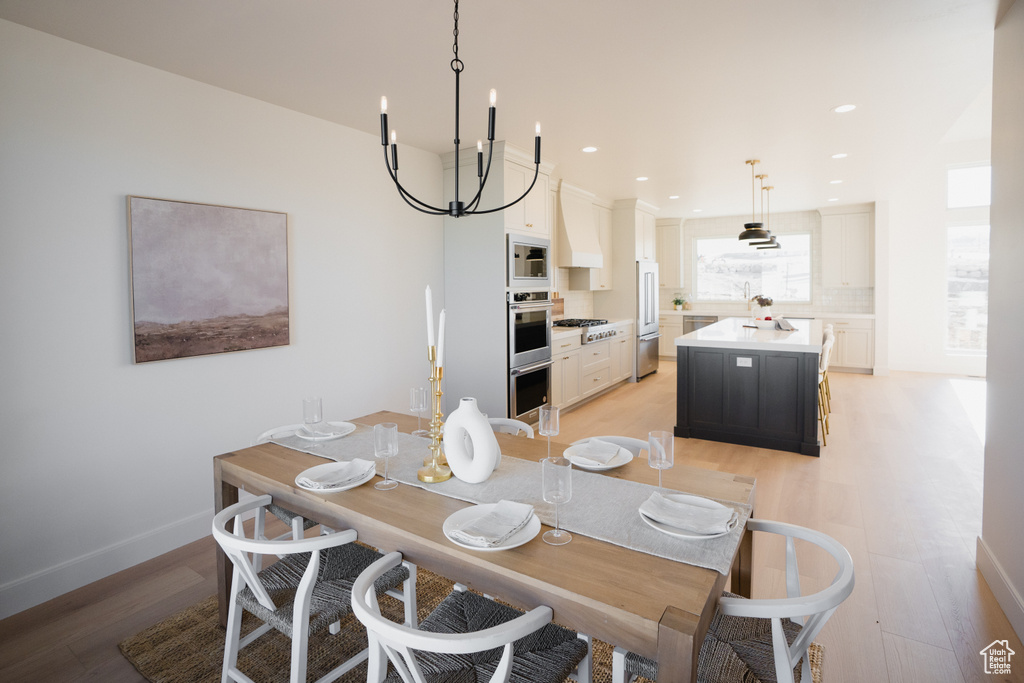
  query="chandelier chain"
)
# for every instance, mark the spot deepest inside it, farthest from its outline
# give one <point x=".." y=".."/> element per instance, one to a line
<point x="457" y="65"/>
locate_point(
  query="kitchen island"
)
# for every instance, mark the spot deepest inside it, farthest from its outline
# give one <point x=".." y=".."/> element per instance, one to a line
<point x="748" y="386"/>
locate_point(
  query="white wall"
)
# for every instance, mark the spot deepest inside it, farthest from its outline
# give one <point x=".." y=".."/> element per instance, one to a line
<point x="918" y="220"/>
<point x="105" y="463"/>
<point x="1000" y="548"/>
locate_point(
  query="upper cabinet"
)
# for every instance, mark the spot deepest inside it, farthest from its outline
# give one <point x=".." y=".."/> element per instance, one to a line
<point x="530" y="215"/>
<point x="846" y="250"/>
<point x="669" y="251"/>
<point x="646" y="236"/>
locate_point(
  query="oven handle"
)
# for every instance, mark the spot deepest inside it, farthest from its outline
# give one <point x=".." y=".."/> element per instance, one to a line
<point x="530" y="368"/>
<point x="545" y="304"/>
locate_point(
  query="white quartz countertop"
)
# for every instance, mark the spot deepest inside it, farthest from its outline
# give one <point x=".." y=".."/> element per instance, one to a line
<point x="731" y="333"/>
<point x="820" y="316"/>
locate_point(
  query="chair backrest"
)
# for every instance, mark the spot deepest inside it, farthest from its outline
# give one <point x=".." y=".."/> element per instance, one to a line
<point x="271" y="433"/>
<point x="816" y="607"/>
<point x="242" y="550"/>
<point x="399" y="641"/>
<point x="826" y="353"/>
<point x="634" y="446"/>
<point x="508" y="425"/>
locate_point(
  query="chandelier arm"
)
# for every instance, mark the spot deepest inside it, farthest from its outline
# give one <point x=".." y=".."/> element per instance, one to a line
<point x="536" y="173"/>
<point x="483" y="180"/>
<point x="406" y="195"/>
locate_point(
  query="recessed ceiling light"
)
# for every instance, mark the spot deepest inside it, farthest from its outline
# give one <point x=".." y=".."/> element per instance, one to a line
<point x="841" y="155"/>
<point x="589" y="150"/>
<point x="673" y="196"/>
<point x="697" y="210"/>
<point x="641" y="178"/>
<point x="835" y="182"/>
<point x="843" y="108"/>
<point x="834" y="199"/>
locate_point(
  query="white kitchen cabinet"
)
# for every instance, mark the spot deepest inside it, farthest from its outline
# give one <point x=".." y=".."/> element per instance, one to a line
<point x="646" y="236"/>
<point x="622" y="353"/>
<point x="669" y="328"/>
<point x="669" y="252"/>
<point x="530" y="215"/>
<point x="846" y="250"/>
<point x="596" y="367"/>
<point x="566" y="373"/>
<point x="597" y="279"/>
<point x="855" y="343"/>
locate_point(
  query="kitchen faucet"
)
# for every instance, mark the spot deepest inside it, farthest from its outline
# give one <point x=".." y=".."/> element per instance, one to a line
<point x="746" y="293"/>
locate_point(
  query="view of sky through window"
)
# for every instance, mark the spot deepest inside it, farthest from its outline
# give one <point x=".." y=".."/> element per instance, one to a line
<point x="725" y="265"/>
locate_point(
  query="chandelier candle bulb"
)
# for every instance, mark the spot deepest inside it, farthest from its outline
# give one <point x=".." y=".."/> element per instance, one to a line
<point x="384" y="121"/>
<point x="394" y="150"/>
<point x="479" y="159"/>
<point x="490" y="117"/>
<point x="536" y="145"/>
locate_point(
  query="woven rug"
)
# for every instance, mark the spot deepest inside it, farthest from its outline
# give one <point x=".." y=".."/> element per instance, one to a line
<point x="189" y="646"/>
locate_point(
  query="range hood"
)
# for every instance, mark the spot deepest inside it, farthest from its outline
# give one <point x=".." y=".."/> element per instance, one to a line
<point x="578" y="244"/>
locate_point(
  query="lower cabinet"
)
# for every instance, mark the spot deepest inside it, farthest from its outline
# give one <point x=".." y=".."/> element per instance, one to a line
<point x="596" y="367"/>
<point x="579" y="371"/>
<point x="855" y="343"/>
<point x="622" y="353"/>
<point x="669" y="328"/>
<point x="566" y="372"/>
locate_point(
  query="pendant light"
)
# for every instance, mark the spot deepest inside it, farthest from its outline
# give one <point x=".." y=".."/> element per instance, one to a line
<point x="771" y="243"/>
<point x="455" y="208"/>
<point x="753" y="230"/>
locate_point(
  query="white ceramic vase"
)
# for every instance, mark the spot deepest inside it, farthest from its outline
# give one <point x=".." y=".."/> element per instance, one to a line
<point x="469" y="443"/>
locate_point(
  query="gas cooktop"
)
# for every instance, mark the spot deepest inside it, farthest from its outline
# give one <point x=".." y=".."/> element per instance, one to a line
<point x="579" y="322"/>
<point x="592" y="329"/>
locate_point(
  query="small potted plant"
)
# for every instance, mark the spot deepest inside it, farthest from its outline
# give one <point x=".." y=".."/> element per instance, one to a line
<point x="679" y="302"/>
<point x="764" y="311"/>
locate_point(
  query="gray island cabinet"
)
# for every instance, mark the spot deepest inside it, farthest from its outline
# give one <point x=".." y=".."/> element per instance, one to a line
<point x="748" y="386"/>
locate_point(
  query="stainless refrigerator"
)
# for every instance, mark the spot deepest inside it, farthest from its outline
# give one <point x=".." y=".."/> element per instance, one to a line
<point x="646" y="318"/>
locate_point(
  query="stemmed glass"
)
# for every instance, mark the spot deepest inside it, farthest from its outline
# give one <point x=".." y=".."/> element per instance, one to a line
<point x="660" y="451"/>
<point x="556" y="476"/>
<point x="312" y="413"/>
<point x="417" y="404"/>
<point x="548" y="425"/>
<point x="385" y="445"/>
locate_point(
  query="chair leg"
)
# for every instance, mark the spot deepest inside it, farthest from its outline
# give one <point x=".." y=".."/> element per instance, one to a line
<point x="821" y="420"/>
<point x="585" y="669"/>
<point x="234" y="628"/>
<point x="409" y="596"/>
<point x="619" y="666"/>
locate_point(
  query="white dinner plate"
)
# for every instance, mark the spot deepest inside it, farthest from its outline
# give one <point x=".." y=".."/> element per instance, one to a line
<point x="683" y="533"/>
<point x="338" y="430"/>
<point x="327" y="469"/>
<point x="574" y="453"/>
<point x="462" y="517"/>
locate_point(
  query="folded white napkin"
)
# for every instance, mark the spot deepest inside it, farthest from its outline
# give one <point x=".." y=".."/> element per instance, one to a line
<point x="682" y="515"/>
<point x="595" y="452"/>
<point x="495" y="527"/>
<point x="342" y="475"/>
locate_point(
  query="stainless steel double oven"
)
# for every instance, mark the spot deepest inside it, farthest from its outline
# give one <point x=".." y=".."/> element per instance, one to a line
<point x="529" y="352"/>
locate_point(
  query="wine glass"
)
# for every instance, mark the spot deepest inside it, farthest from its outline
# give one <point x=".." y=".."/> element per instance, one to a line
<point x="312" y="415"/>
<point x="385" y="445"/>
<point x="660" y="453"/>
<point x="548" y="425"/>
<point x="417" y="404"/>
<point x="556" y="476"/>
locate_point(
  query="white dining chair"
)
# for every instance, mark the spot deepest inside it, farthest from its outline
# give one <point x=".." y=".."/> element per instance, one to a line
<point x="468" y="633"/>
<point x="634" y="446"/>
<point x="508" y="425"/>
<point x="305" y="591"/>
<point x="773" y="635"/>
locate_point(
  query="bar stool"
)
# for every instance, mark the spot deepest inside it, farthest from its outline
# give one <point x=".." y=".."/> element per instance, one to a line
<point x="824" y="403"/>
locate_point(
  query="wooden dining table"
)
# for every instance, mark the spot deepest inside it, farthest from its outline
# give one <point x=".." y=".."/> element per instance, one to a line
<point x="655" y="607"/>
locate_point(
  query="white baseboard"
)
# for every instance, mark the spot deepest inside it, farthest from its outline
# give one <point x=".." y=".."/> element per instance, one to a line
<point x="1006" y="593"/>
<point x="46" y="584"/>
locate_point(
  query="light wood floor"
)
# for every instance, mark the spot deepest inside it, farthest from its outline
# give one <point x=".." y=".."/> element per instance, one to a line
<point x="899" y="485"/>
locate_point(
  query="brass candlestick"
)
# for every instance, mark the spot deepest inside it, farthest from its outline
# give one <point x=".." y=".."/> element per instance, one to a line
<point x="436" y="470"/>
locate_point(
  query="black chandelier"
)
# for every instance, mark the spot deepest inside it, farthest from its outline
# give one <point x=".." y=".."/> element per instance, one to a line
<point x="455" y="208"/>
<point x="753" y="230"/>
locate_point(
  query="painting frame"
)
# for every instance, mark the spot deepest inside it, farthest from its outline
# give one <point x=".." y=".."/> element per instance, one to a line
<point x="205" y="279"/>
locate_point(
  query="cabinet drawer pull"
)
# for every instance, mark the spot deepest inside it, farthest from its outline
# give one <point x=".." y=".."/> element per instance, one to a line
<point x="565" y="345"/>
<point x="529" y="225"/>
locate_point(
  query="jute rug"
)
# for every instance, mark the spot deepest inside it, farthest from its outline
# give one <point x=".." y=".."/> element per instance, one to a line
<point x="189" y="646"/>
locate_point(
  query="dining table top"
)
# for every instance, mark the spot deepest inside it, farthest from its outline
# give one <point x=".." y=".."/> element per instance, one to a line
<point x="653" y="606"/>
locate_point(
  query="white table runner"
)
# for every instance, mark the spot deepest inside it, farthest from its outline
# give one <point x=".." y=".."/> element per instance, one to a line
<point x="602" y="507"/>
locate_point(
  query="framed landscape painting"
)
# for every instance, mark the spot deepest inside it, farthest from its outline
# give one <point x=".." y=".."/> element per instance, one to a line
<point x="206" y="279"/>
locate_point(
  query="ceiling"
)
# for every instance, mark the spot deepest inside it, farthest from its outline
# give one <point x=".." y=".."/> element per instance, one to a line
<point x="680" y="91"/>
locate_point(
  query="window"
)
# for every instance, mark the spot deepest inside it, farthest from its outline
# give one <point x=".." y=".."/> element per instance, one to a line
<point x="725" y="264"/>
<point x="967" y="289"/>
<point x="971" y="186"/>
